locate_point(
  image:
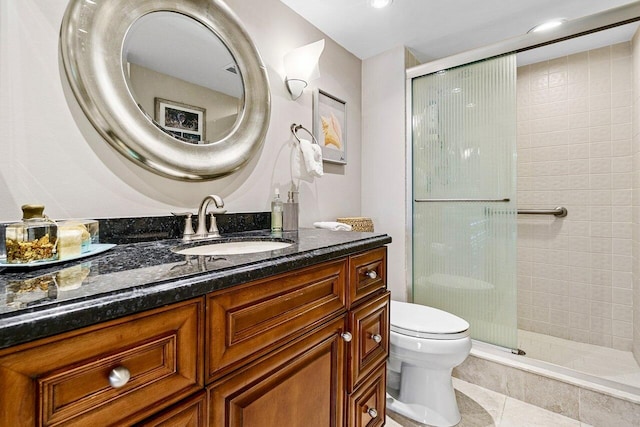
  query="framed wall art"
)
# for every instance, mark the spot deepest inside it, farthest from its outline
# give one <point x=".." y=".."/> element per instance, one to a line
<point x="185" y="122"/>
<point x="330" y="126"/>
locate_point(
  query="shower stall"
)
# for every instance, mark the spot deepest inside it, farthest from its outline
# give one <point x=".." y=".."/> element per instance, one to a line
<point x="521" y="198"/>
<point x="464" y="207"/>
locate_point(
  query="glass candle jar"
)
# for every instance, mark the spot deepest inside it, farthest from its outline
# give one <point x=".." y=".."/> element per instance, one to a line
<point x="33" y="239"/>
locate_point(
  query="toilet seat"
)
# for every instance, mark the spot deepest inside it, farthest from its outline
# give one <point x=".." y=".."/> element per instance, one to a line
<point x="420" y="321"/>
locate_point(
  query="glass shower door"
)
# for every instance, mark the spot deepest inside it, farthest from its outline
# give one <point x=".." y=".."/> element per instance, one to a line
<point x="464" y="207"/>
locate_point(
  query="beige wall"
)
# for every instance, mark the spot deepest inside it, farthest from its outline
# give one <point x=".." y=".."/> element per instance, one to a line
<point x="52" y="155"/>
<point x="383" y="157"/>
<point x="574" y="150"/>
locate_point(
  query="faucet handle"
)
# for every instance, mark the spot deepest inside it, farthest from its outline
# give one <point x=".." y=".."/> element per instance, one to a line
<point x="213" y="226"/>
<point x="188" y="225"/>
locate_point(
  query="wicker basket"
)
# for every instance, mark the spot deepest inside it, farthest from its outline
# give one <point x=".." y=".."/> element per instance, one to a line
<point x="358" y="223"/>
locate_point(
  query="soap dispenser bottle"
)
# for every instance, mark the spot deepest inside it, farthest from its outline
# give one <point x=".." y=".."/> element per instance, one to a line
<point x="290" y="213"/>
<point x="276" y="212"/>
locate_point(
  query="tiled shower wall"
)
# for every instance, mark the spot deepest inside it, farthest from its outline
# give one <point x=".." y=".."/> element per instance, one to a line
<point x="574" y="150"/>
<point x="636" y="196"/>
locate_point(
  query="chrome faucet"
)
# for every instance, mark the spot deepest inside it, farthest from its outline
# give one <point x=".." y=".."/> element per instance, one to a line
<point x="202" y="232"/>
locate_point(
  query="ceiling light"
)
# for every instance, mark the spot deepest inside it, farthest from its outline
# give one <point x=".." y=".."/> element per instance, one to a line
<point x="379" y="4"/>
<point x="546" y="26"/>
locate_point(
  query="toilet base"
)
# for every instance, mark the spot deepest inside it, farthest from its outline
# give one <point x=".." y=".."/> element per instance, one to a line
<point x="424" y="395"/>
<point x="420" y="413"/>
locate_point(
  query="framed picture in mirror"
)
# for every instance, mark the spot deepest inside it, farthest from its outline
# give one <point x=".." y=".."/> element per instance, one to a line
<point x="330" y="126"/>
<point x="184" y="122"/>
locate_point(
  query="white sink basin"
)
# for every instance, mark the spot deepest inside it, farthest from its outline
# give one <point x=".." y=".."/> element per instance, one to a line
<point x="234" y="248"/>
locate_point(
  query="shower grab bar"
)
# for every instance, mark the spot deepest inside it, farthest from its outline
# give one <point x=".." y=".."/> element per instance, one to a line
<point x="560" y="212"/>
<point x="463" y="200"/>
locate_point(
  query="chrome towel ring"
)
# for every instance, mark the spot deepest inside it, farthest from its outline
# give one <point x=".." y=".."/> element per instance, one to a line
<point x="295" y="128"/>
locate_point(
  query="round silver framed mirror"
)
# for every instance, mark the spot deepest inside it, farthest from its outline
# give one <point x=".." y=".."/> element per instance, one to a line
<point x="176" y="86"/>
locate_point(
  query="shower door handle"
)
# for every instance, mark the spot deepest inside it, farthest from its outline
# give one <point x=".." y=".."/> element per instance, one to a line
<point x="464" y="200"/>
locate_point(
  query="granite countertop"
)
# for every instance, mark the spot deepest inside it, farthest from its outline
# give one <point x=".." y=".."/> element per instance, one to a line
<point x="129" y="278"/>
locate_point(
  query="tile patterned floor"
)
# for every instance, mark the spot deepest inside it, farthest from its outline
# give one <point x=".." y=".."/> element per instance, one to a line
<point x="480" y="407"/>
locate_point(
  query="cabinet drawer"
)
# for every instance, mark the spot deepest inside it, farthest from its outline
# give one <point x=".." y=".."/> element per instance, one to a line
<point x="369" y="326"/>
<point x="66" y="381"/>
<point x="191" y="412"/>
<point x="367" y="274"/>
<point x="367" y="405"/>
<point x="243" y="324"/>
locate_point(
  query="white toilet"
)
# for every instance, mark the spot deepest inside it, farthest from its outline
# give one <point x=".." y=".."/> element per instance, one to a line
<point x="426" y="344"/>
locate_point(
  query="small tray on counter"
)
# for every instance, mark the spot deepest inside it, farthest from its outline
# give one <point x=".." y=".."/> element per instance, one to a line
<point x="94" y="249"/>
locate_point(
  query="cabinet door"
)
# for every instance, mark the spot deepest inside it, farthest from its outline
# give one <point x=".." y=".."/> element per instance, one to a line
<point x="300" y="385"/>
<point x="369" y="325"/>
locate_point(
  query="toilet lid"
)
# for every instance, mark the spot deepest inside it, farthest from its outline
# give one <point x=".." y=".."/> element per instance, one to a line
<point x="426" y="322"/>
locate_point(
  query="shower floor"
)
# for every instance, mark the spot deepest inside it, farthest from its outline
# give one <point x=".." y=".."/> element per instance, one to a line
<point x="615" y="365"/>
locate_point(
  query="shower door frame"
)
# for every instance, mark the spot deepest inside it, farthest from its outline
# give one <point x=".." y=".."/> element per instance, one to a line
<point x="575" y="28"/>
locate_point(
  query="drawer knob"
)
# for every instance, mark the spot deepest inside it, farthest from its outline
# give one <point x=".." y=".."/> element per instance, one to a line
<point x="371" y="274"/>
<point x="118" y="377"/>
<point x="347" y="336"/>
<point x="377" y="338"/>
<point x="372" y="413"/>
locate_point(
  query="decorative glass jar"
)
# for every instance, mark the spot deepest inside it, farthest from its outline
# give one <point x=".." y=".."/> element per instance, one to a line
<point x="33" y="239"/>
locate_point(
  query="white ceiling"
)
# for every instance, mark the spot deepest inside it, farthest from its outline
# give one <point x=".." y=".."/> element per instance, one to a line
<point x="436" y="29"/>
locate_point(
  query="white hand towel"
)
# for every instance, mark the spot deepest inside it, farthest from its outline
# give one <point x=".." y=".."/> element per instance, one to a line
<point x="312" y="155"/>
<point x="298" y="168"/>
<point x="332" y="225"/>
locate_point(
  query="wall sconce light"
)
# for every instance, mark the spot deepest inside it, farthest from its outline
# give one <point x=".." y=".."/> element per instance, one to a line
<point x="301" y="66"/>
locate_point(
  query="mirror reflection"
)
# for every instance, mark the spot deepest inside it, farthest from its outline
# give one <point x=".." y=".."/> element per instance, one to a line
<point x="183" y="77"/>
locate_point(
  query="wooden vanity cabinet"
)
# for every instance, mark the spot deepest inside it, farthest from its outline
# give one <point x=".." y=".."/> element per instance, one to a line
<point x="305" y="348"/>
